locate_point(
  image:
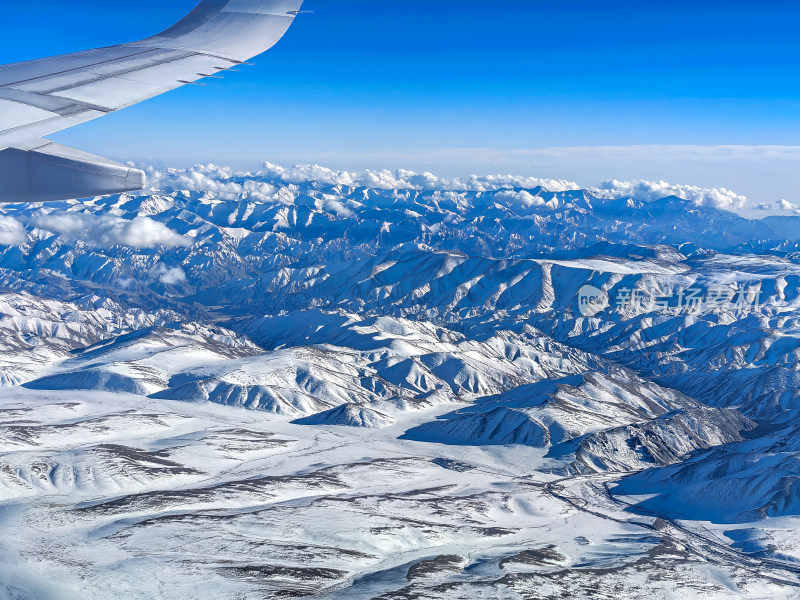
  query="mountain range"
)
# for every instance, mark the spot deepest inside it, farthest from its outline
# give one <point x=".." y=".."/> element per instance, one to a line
<point x="301" y="383"/>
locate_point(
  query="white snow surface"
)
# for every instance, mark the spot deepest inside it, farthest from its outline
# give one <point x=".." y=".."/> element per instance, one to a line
<point x="304" y="383"/>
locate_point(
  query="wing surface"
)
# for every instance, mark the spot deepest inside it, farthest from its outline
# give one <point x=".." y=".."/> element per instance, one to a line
<point x="41" y="97"/>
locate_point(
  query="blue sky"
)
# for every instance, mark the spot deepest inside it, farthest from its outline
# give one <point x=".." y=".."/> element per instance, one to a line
<point x="685" y="91"/>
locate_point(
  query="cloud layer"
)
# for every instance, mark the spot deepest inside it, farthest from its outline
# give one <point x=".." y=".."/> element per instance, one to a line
<point x="220" y="182"/>
<point x="276" y="184"/>
<point x="107" y="230"/>
<point x="270" y="185"/>
<point x="12" y="232"/>
<point x="648" y="191"/>
<point x="169" y="275"/>
<point x="403" y="179"/>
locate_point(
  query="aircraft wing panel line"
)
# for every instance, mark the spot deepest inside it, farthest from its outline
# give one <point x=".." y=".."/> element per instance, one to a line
<point x="52" y="104"/>
<point x="134" y="61"/>
<point x="121" y="73"/>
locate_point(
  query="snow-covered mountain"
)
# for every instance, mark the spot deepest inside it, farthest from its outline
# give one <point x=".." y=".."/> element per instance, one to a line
<point x="304" y="383"/>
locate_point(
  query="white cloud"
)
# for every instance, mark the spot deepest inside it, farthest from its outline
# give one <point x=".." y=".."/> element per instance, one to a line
<point x="522" y="197"/>
<point x="144" y="232"/>
<point x="784" y="204"/>
<point x="258" y="190"/>
<point x="105" y="230"/>
<point x="740" y="168"/>
<point x="487" y="183"/>
<point x="279" y="184"/>
<point x="70" y="225"/>
<point x="648" y="191"/>
<point x="169" y="275"/>
<point x="337" y="207"/>
<point x="213" y="180"/>
<point x="304" y="173"/>
<point x="12" y="232"/>
<point x="409" y="180"/>
<point x="404" y="179"/>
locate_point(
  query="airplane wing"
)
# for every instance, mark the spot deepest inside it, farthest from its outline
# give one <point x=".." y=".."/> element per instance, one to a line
<point x="41" y="97"/>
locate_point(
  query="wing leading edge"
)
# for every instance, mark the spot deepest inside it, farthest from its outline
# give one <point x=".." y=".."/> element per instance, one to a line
<point x="41" y="97"/>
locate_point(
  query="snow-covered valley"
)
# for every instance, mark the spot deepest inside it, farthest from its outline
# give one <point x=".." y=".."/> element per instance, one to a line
<point x="303" y="383"/>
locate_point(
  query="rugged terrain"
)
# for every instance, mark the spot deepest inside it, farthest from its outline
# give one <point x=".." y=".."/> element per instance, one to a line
<point x="303" y="383"/>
